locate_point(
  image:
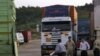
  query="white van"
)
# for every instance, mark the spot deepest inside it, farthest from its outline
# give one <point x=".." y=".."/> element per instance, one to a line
<point x="20" y="38"/>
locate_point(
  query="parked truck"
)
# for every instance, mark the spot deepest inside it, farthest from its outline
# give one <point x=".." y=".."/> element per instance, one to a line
<point x="8" y="45"/>
<point x="97" y="24"/>
<point x="58" y="22"/>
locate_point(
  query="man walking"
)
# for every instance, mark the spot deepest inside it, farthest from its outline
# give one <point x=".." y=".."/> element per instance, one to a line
<point x="84" y="46"/>
<point x="96" y="49"/>
<point x="60" y="49"/>
<point x="70" y="46"/>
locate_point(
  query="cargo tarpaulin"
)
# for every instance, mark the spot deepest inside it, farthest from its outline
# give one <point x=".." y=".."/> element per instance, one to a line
<point x="56" y="11"/>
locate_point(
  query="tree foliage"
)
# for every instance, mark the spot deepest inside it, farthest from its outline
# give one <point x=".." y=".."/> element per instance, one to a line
<point x="27" y="17"/>
<point x="84" y="11"/>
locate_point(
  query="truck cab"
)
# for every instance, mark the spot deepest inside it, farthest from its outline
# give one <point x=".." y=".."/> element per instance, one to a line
<point x="52" y="29"/>
<point x="58" y="22"/>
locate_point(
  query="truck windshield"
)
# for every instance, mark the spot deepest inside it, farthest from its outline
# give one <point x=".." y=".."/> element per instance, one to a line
<point x="62" y="26"/>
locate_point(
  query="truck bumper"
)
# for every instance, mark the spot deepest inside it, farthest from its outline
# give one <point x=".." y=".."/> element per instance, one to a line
<point x="47" y="49"/>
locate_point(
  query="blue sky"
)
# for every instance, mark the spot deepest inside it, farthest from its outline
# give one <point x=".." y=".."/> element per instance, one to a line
<point x="43" y="3"/>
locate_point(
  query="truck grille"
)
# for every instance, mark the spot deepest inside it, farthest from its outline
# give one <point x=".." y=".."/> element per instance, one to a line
<point x="55" y="37"/>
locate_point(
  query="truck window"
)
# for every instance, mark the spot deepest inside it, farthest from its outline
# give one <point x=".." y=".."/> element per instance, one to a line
<point x="62" y="26"/>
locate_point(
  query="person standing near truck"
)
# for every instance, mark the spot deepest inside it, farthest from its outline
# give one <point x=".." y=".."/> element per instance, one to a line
<point x="70" y="46"/>
<point x="96" y="48"/>
<point x="84" y="46"/>
<point x="60" y="49"/>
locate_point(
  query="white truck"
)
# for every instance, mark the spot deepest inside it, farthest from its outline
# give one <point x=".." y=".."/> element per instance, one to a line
<point x="58" y="22"/>
<point x="97" y="23"/>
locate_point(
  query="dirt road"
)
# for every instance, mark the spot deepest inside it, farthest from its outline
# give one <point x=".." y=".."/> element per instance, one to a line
<point x="30" y="49"/>
<point x="33" y="49"/>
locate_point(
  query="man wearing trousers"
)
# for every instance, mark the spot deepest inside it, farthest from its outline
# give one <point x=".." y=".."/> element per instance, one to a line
<point x="70" y="46"/>
<point x="60" y="49"/>
<point x="84" y="46"/>
<point x="96" y="49"/>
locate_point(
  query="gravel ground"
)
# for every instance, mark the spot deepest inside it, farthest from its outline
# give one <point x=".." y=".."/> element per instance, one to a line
<point x="30" y="49"/>
<point x="33" y="49"/>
